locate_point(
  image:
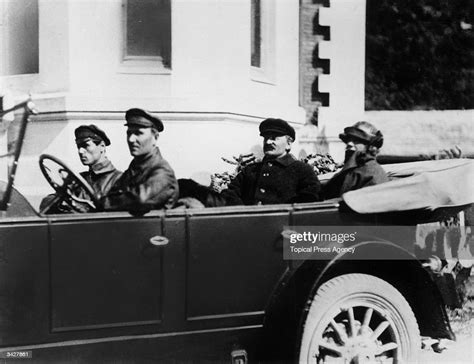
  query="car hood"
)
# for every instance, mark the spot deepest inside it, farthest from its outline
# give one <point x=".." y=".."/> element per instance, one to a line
<point x="18" y="205"/>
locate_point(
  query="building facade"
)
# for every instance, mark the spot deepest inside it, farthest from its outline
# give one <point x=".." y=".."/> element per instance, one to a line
<point x="332" y="81"/>
<point x="211" y="69"/>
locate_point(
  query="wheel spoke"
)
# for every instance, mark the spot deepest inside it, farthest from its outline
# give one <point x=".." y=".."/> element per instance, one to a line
<point x="378" y="331"/>
<point x="332" y="347"/>
<point x="340" y="332"/>
<point x="386" y="347"/>
<point x="367" y="317"/>
<point x="350" y="313"/>
<point x="358" y="318"/>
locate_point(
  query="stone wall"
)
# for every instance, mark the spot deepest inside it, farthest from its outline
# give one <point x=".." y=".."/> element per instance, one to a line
<point x="424" y="132"/>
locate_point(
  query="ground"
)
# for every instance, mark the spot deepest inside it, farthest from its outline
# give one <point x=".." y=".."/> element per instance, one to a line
<point x="462" y="350"/>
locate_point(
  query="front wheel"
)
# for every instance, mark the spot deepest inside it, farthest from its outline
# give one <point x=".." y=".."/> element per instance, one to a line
<point x="358" y="318"/>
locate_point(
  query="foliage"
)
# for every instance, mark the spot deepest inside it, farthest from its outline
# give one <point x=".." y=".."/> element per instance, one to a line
<point x="219" y="181"/>
<point x="419" y="54"/>
<point x="322" y="163"/>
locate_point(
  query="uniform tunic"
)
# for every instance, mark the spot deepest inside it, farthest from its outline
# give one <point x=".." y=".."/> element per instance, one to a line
<point x="273" y="181"/>
<point x="101" y="177"/>
<point x="148" y="183"/>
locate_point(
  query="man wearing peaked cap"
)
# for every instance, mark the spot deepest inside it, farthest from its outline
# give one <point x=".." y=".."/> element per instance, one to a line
<point x="93" y="132"/>
<point x="278" y="178"/>
<point x="91" y="142"/>
<point x="149" y="182"/>
<point x="141" y="117"/>
<point x="277" y="126"/>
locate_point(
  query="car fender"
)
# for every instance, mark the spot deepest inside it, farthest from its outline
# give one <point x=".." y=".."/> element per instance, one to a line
<point x="290" y="301"/>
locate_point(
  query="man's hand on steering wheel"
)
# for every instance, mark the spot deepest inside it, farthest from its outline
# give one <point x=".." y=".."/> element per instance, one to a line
<point x="71" y="189"/>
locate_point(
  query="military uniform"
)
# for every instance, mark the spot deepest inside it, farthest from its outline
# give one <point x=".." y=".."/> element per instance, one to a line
<point x="273" y="181"/>
<point x="280" y="179"/>
<point x="148" y="183"/>
<point x="101" y="177"/>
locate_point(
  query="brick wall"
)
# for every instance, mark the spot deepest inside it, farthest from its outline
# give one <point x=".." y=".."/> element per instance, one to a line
<point x="406" y="132"/>
<point x="310" y="64"/>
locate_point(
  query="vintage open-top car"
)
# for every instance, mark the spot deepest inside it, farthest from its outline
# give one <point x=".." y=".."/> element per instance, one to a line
<point x="212" y="284"/>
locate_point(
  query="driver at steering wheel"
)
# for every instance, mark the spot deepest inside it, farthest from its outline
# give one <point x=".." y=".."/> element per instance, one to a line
<point x="91" y="142"/>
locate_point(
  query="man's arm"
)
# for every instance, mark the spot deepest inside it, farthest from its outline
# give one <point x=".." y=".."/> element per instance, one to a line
<point x="53" y="204"/>
<point x="159" y="190"/>
<point x="233" y="194"/>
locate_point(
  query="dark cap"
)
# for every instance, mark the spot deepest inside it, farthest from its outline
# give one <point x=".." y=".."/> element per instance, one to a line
<point x="363" y="131"/>
<point x="150" y="122"/>
<point x="276" y="126"/>
<point x="84" y="132"/>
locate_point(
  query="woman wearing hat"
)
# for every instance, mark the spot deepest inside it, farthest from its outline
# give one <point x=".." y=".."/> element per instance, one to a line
<point x="363" y="142"/>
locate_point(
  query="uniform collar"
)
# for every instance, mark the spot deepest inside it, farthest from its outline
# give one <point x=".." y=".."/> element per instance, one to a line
<point x="102" y="167"/>
<point x="141" y="162"/>
<point x="284" y="161"/>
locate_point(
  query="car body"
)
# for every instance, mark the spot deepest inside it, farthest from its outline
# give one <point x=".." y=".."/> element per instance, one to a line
<point x="201" y="283"/>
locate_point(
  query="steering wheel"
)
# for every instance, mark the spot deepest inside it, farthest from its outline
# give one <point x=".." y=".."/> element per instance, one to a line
<point x="70" y="187"/>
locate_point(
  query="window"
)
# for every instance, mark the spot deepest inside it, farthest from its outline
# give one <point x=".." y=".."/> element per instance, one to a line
<point x="262" y="40"/>
<point x="256" y="33"/>
<point x="19" y="37"/>
<point x="147" y="32"/>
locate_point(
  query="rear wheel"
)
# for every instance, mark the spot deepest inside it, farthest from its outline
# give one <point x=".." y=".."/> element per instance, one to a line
<point x="358" y="318"/>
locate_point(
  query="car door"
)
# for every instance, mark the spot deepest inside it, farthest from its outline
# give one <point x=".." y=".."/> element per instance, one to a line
<point x="23" y="279"/>
<point x="106" y="273"/>
<point x="234" y="261"/>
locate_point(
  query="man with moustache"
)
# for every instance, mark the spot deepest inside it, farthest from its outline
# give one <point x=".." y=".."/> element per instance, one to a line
<point x="149" y="182"/>
<point x="363" y="142"/>
<point x="91" y="142"/>
<point x="278" y="178"/>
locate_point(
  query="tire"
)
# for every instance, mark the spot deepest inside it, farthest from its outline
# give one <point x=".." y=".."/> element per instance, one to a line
<point x="385" y="327"/>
